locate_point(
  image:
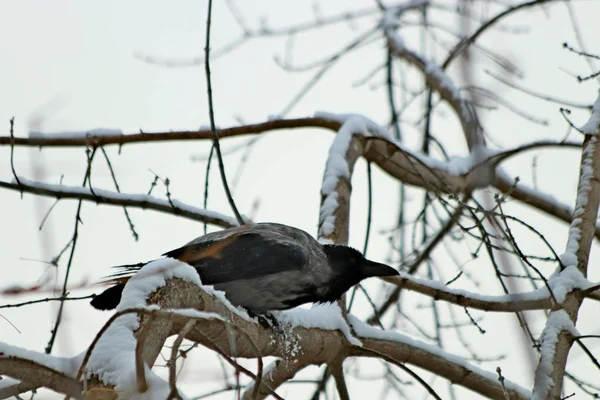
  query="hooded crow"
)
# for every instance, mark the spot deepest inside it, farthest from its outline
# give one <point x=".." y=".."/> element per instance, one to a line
<point x="264" y="267"/>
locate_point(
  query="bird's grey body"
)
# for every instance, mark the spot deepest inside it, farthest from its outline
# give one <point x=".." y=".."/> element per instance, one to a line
<point x="266" y="266"/>
<point x="303" y="269"/>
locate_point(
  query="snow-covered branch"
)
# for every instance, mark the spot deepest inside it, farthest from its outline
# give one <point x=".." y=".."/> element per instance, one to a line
<point x="31" y="370"/>
<point x="89" y="138"/>
<point x="560" y="283"/>
<point x="409" y="167"/>
<point x="309" y="339"/>
<point x="441" y="82"/>
<point x="558" y="335"/>
<point x="101" y="196"/>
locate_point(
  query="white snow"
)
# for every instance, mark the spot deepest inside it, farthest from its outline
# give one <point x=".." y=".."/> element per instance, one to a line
<point x="322" y="316"/>
<point x="326" y="214"/>
<point x="366" y="331"/>
<point x="76" y="134"/>
<point x="191" y="313"/>
<point x="592" y="126"/>
<point x="561" y="283"/>
<point x="537" y="294"/>
<point x="558" y="321"/>
<point x="113" y="358"/>
<point x="139" y="198"/>
<point x="565" y="281"/>
<point x="569" y="257"/>
<point x="434" y="72"/>
<point x="463" y="165"/>
<point x="336" y="166"/>
<point x="360" y="123"/>
<point x="67" y="366"/>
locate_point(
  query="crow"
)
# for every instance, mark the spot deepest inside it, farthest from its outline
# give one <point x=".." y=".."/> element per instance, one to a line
<point x="264" y="267"/>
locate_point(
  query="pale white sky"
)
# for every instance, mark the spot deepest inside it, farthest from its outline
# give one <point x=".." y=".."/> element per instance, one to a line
<point x="68" y="65"/>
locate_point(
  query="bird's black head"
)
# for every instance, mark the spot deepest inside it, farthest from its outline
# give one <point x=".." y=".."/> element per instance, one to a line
<point x="350" y="261"/>
<point x="350" y="267"/>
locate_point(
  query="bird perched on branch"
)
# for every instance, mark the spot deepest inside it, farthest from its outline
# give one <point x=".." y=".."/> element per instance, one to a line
<point x="264" y="267"/>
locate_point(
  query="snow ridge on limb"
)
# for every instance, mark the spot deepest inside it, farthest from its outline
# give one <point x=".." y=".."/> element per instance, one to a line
<point x="113" y="359"/>
<point x="435" y="356"/>
<point x="102" y="196"/>
<point x="557" y="337"/>
<point x="558" y="322"/>
<point x="338" y="168"/>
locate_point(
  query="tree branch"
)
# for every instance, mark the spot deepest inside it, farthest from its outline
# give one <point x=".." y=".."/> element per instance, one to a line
<point x="143" y="201"/>
<point x="36" y="375"/>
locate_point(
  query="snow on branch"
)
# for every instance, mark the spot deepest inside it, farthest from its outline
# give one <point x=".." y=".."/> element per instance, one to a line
<point x="592" y="126"/>
<point x="102" y="196"/>
<point x="561" y="283"/>
<point x="105" y="139"/>
<point x="558" y="322"/>
<point x="455" y="368"/>
<point x="557" y="337"/>
<point x="310" y="339"/>
<point x="408" y="167"/>
<point x="570" y="256"/>
<point x="335" y="189"/>
<point x="114" y="356"/>
<point x="31" y="370"/>
<point x="32" y="376"/>
<point x="97" y="132"/>
<point x="311" y="346"/>
<point x="441" y="82"/>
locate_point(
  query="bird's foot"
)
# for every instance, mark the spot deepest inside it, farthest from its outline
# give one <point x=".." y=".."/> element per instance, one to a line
<point x="268" y="321"/>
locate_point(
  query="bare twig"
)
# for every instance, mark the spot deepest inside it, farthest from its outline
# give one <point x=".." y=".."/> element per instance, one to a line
<point x="211" y="114"/>
<point x="173" y="360"/>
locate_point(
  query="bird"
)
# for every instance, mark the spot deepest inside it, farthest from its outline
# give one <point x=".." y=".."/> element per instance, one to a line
<point x="264" y="267"/>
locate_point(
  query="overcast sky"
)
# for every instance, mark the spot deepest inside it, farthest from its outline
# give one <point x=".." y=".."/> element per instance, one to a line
<point x="72" y="65"/>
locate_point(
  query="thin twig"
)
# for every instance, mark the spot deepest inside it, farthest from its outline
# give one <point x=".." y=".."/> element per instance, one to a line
<point x="114" y="178"/>
<point x="54" y="331"/>
<point x="12" y="152"/>
<point x="173" y="360"/>
<point x="48" y="299"/>
<point x="211" y="114"/>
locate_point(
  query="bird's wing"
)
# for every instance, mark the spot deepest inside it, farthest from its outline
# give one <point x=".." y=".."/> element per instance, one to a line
<point x="245" y="255"/>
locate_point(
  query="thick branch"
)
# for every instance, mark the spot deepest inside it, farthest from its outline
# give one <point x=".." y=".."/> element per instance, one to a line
<point x="557" y="337"/>
<point x="36" y="375"/>
<point x="315" y="346"/>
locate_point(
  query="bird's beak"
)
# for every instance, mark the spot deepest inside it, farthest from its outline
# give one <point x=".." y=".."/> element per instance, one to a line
<point x="372" y="268"/>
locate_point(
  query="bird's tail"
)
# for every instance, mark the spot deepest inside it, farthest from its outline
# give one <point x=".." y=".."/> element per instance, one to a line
<point x="111" y="297"/>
